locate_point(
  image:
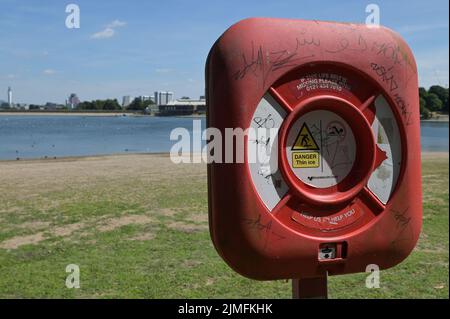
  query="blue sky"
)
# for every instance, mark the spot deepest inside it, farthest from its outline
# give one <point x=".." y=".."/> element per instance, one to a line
<point x="135" y="47"/>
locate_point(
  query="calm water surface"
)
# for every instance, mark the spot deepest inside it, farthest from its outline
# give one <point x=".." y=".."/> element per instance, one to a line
<point x="60" y="136"/>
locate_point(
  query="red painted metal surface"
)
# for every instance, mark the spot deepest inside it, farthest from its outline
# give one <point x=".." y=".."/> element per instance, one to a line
<point x="258" y="56"/>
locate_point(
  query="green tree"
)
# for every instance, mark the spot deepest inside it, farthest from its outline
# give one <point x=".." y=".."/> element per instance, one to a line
<point x="426" y="114"/>
<point x="99" y="104"/>
<point x="148" y="103"/>
<point x="424" y="111"/>
<point x="445" y="106"/>
<point x="440" y="91"/>
<point x="433" y="103"/>
<point x="139" y="105"/>
<point x="423" y="104"/>
<point x="86" y="106"/>
<point x="111" y="105"/>
<point x="136" y="105"/>
<point x="422" y="92"/>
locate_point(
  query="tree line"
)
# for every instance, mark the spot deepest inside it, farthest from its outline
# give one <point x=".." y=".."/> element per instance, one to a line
<point x="112" y="104"/>
<point x="433" y="100"/>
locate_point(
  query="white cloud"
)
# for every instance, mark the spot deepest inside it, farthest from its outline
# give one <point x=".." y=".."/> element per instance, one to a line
<point x="49" y="72"/>
<point x="109" y="30"/>
<point x="104" y="34"/>
<point x="116" y="24"/>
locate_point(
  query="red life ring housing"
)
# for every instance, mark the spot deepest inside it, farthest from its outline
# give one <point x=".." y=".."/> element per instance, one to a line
<point x="342" y="187"/>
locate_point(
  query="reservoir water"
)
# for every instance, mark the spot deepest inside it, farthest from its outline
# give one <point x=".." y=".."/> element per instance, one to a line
<point x="27" y="137"/>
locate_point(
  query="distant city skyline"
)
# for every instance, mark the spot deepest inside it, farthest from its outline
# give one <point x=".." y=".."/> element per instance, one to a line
<point x="158" y="98"/>
<point x="128" y="48"/>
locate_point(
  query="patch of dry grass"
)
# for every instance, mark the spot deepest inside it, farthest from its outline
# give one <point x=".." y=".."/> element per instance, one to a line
<point x="138" y="226"/>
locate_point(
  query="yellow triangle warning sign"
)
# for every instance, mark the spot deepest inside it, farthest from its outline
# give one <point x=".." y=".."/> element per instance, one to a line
<point x="305" y="140"/>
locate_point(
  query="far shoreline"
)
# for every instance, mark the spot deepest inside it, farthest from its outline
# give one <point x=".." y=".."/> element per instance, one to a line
<point x="101" y="114"/>
<point x="441" y="119"/>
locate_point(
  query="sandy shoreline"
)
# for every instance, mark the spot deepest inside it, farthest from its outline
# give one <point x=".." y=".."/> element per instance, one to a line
<point x="441" y="118"/>
<point x="424" y="155"/>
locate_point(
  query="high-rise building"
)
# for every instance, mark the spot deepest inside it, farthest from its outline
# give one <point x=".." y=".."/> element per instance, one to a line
<point x="10" y="97"/>
<point x="73" y="101"/>
<point x="126" y="100"/>
<point x="163" y="98"/>
<point x="144" y="98"/>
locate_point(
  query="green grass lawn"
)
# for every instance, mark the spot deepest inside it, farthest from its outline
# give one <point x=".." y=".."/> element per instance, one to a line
<point x="137" y="227"/>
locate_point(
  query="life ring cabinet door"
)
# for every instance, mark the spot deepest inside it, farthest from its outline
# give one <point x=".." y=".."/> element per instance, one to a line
<point x="339" y="187"/>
